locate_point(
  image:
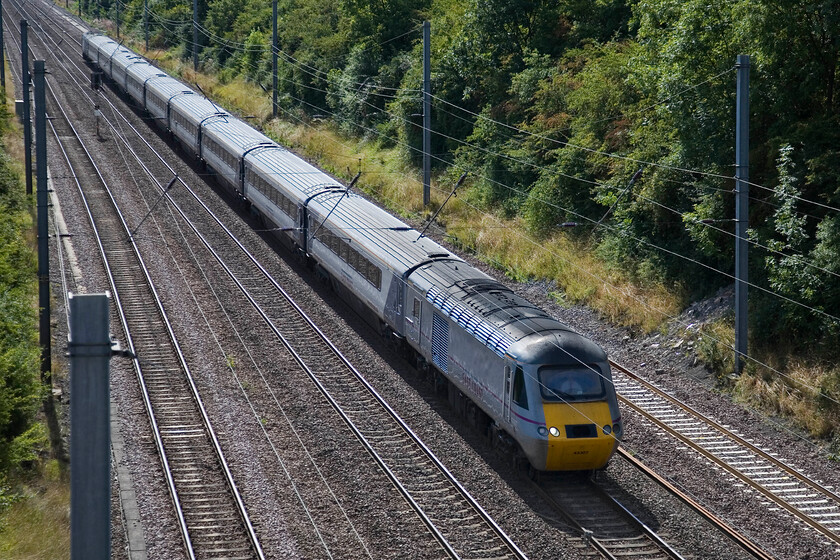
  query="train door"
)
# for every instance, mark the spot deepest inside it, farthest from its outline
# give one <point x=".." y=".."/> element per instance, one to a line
<point x="412" y="318"/>
<point x="506" y="396"/>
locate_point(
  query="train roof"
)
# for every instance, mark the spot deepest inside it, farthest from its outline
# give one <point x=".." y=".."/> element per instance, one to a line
<point x="123" y="54"/>
<point x="379" y="232"/>
<point x="196" y="107"/>
<point x="491" y="311"/>
<point x="167" y="87"/>
<point x="98" y="40"/>
<point x="295" y="174"/>
<point x="143" y="70"/>
<point x="235" y="135"/>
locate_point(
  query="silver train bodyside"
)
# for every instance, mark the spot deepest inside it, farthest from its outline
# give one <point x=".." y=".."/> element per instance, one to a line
<point x="538" y="387"/>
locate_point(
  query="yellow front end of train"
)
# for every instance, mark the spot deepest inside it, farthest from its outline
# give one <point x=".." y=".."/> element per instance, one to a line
<point x="580" y="435"/>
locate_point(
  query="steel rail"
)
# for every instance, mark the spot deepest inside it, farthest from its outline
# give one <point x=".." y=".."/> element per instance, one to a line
<point x="416" y="439"/>
<point x="718" y="522"/>
<point x="600" y="543"/>
<point x="147" y="402"/>
<point x="485" y="516"/>
<point x="721" y="428"/>
<point x="170" y="481"/>
<point x="764" y="491"/>
<point x="440" y="466"/>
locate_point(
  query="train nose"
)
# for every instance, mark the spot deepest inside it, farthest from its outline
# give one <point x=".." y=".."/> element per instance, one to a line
<point x="580" y="436"/>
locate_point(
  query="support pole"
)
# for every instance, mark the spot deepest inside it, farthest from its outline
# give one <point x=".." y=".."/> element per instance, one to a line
<point x="195" y="35"/>
<point x="742" y="175"/>
<point x="27" y="116"/>
<point x="90" y="451"/>
<point x="274" y="59"/>
<point x="43" y="221"/>
<point x="146" y="22"/>
<point x="427" y="115"/>
<point x="2" y="54"/>
<point x="117" y="4"/>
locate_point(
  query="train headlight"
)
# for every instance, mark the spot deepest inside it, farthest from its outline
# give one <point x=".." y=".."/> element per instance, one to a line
<point x="542" y="430"/>
<point x="554" y="431"/>
<point x="607" y="430"/>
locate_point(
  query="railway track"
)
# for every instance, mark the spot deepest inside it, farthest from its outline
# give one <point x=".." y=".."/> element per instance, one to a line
<point x="607" y="527"/>
<point x="422" y="479"/>
<point x="211" y="514"/>
<point x="381" y="443"/>
<point x="781" y="485"/>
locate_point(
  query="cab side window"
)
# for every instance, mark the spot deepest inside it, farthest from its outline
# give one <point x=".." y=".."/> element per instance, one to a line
<point x="519" y="396"/>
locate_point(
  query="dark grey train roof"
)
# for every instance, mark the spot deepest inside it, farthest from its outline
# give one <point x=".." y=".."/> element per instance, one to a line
<point x="491" y="311"/>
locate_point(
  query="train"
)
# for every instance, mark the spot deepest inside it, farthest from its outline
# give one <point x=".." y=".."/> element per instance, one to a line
<point x="542" y="392"/>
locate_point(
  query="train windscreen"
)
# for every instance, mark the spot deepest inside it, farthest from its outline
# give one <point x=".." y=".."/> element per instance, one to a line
<point x="579" y="383"/>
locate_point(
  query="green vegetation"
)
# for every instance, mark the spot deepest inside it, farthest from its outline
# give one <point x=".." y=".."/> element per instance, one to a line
<point x="554" y="107"/>
<point x="34" y="500"/>
<point x="20" y="388"/>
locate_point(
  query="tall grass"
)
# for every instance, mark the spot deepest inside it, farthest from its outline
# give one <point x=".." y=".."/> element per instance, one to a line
<point x="37" y="523"/>
<point x="808" y="394"/>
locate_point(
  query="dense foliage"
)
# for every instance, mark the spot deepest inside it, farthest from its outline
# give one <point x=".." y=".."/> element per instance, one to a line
<point x="618" y="113"/>
<point x="20" y="387"/>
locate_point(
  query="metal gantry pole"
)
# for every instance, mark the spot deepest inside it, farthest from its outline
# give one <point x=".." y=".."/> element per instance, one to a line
<point x="146" y="22"/>
<point x="742" y="176"/>
<point x="27" y="116"/>
<point x="90" y="417"/>
<point x="427" y="115"/>
<point x="195" y="35"/>
<point x="274" y="59"/>
<point x="43" y="221"/>
<point x="2" y="53"/>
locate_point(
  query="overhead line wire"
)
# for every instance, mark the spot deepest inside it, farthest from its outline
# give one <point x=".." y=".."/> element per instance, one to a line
<point x="515" y="190"/>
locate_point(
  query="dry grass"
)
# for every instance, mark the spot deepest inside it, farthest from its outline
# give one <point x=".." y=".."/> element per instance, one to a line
<point x="807" y="394"/>
<point x="37" y="526"/>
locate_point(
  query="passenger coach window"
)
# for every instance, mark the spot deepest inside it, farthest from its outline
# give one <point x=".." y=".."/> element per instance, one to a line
<point x="356" y="260"/>
<point x="519" y="396"/>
